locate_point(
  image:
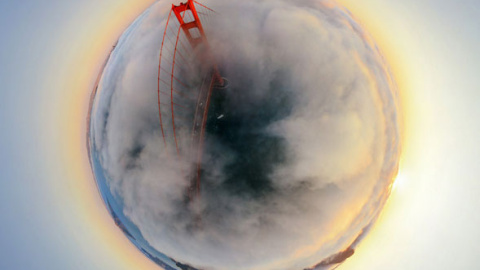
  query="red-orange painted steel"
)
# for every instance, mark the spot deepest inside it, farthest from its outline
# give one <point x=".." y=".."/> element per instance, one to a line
<point x="171" y="82"/>
<point x="158" y="81"/>
<point x="196" y="23"/>
<point x="187" y="19"/>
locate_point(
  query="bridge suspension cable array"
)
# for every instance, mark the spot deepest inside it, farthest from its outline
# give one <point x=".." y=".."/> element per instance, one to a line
<point x="187" y="75"/>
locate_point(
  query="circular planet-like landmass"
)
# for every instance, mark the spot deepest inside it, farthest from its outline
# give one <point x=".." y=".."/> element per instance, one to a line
<point x="298" y="152"/>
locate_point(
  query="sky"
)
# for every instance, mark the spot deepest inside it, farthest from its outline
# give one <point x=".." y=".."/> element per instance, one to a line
<point x="52" y="217"/>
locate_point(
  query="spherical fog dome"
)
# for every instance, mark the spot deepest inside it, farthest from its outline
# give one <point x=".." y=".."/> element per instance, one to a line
<point x="297" y="154"/>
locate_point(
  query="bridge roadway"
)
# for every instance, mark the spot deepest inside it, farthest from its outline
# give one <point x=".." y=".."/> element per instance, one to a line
<point x="198" y="130"/>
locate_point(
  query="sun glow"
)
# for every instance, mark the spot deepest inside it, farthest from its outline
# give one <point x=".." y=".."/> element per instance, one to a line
<point x="85" y="62"/>
<point x="81" y="77"/>
<point x="397" y="58"/>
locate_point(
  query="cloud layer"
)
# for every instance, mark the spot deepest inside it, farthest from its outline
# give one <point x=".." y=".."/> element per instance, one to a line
<point x="300" y="151"/>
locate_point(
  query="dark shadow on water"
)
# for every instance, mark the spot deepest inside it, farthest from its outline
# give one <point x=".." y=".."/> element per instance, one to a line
<point x="238" y="121"/>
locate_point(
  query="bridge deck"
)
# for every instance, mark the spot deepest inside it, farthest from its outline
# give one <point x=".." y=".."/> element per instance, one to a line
<point x="198" y="129"/>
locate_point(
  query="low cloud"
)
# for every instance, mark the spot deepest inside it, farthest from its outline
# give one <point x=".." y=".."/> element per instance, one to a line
<point x="301" y="160"/>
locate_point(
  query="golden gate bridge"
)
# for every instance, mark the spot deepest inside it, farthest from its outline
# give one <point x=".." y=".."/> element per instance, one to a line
<point x="187" y="75"/>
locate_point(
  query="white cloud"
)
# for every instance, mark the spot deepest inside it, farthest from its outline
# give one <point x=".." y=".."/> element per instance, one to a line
<point x="303" y="77"/>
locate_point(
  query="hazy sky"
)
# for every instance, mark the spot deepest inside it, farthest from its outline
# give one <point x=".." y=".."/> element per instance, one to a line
<point x="51" y="216"/>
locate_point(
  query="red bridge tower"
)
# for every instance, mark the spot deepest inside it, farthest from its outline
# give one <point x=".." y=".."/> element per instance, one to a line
<point x="183" y="105"/>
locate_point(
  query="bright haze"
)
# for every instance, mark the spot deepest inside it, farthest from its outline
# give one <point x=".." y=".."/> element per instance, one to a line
<point x="300" y="150"/>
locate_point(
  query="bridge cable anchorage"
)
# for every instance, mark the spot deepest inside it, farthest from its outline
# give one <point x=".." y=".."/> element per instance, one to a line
<point x="183" y="49"/>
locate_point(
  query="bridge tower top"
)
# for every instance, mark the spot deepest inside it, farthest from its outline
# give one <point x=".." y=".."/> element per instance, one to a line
<point x="193" y="29"/>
